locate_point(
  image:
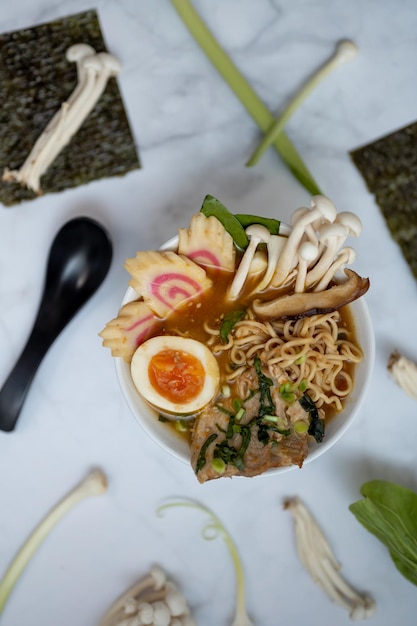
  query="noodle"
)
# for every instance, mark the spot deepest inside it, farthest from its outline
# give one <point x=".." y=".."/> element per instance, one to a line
<point x="313" y="349"/>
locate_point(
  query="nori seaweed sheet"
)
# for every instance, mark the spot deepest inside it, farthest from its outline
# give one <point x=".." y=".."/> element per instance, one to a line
<point x="35" y="78"/>
<point x="389" y="168"/>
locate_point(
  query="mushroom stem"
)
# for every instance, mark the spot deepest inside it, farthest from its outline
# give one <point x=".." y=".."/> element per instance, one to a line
<point x="346" y="256"/>
<point x="345" y="51"/>
<point x="76" y="53"/>
<point x="404" y="373"/>
<point x="307" y="253"/>
<point x="38" y="163"/>
<point x="323" y="210"/>
<point x="274" y="248"/>
<point x="309" y="230"/>
<point x="93" y="71"/>
<point x="257" y="234"/>
<point x="317" y="557"/>
<point x="94" y="484"/>
<point x="98" y="69"/>
<point x="330" y="236"/>
<point x="154" y="600"/>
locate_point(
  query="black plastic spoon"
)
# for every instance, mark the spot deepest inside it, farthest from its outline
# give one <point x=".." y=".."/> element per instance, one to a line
<point x="78" y="262"/>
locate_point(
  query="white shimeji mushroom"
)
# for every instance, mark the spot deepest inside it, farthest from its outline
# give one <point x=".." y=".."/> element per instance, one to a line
<point x="346" y="256"/>
<point x="351" y="223"/>
<point x="98" y="69"/>
<point x="161" y="614"/>
<point x="75" y="54"/>
<point x="71" y="110"/>
<point x="330" y="236"/>
<point x="275" y="246"/>
<point x="25" y="175"/>
<point x="404" y="373"/>
<point x="175" y="601"/>
<point x="317" y="557"/>
<point x="144" y="614"/>
<point x="153" y="601"/>
<point x="310" y="229"/>
<point x="93" y="73"/>
<point x="257" y="234"/>
<point x="307" y="253"/>
<point x="322" y="209"/>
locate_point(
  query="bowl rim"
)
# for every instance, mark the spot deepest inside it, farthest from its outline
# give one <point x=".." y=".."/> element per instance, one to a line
<point x="164" y="437"/>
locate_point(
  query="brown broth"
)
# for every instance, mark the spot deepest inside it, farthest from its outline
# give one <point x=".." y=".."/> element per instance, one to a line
<point x="213" y="305"/>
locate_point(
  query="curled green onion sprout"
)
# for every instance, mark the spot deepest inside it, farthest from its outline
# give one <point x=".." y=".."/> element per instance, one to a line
<point x="212" y="530"/>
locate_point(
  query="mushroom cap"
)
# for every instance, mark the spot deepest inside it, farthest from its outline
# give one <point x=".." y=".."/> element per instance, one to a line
<point x="346" y="50"/>
<point x="348" y="254"/>
<point x="331" y="231"/>
<point x="325" y="206"/>
<point x="161" y="614"/>
<point x="308" y="251"/>
<point x="159" y="576"/>
<point x="91" y="62"/>
<point x="259" y="232"/>
<point x="78" y="51"/>
<point x="298" y="213"/>
<point x="350" y="221"/>
<point x="110" y="62"/>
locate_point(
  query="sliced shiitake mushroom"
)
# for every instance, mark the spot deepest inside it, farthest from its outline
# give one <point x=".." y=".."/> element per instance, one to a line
<point x="309" y="303"/>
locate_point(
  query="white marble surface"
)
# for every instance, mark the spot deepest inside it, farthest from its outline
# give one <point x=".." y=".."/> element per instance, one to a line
<point x="194" y="138"/>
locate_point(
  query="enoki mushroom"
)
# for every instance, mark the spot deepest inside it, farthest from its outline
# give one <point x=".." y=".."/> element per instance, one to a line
<point x="317" y="557"/>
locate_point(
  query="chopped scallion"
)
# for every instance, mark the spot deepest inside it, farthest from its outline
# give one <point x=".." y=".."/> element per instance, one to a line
<point x="181" y="426"/>
<point x="240" y="414"/>
<point x="226" y="391"/>
<point x="303" y="385"/>
<point x="301" y="359"/>
<point x="218" y="465"/>
<point x="270" y="418"/>
<point x="301" y="427"/>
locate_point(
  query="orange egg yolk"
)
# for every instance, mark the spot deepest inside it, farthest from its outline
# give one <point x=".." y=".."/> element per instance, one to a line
<point x="177" y="376"/>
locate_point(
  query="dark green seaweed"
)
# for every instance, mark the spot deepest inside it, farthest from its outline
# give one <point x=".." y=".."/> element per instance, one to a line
<point x="316" y="428"/>
<point x="35" y="78"/>
<point x="389" y="168"/>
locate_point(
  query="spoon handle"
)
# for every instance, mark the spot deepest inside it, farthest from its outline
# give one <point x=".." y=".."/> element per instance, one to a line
<point x="16" y="387"/>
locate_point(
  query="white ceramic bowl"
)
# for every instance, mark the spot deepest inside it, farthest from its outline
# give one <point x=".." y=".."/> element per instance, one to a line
<point x="176" y="446"/>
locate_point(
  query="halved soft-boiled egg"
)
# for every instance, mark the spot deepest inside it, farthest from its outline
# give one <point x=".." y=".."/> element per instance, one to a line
<point x="176" y="375"/>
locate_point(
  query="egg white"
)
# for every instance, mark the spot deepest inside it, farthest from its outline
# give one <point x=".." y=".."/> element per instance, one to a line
<point x="139" y="372"/>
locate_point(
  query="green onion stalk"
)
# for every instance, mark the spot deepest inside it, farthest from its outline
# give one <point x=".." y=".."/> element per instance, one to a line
<point x="345" y="51"/>
<point x="212" y="530"/>
<point x="247" y="96"/>
<point x="94" y="484"/>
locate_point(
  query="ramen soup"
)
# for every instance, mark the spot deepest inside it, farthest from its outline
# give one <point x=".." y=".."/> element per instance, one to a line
<point x="242" y="337"/>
